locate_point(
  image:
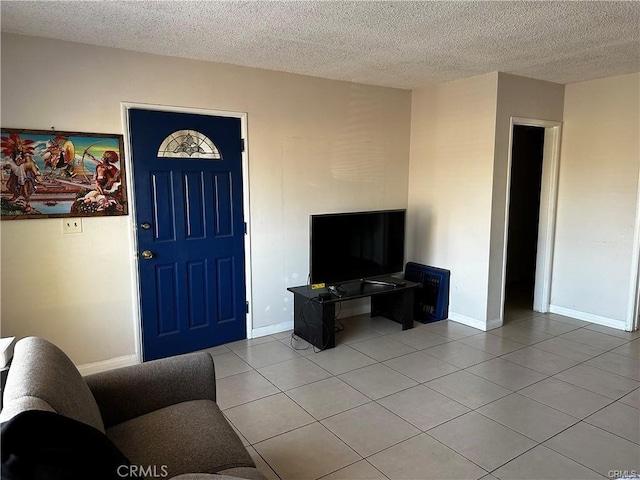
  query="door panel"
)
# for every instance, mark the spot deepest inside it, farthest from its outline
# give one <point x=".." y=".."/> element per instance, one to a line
<point x="197" y="281"/>
<point x="225" y="275"/>
<point x="161" y="204"/>
<point x="166" y="288"/>
<point x="194" y="204"/>
<point x="193" y="286"/>
<point x="224" y="206"/>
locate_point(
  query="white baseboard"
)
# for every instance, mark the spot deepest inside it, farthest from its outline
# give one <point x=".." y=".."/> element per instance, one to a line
<point x="110" y="364"/>
<point x="349" y="311"/>
<point x="588" y="317"/>
<point x="495" y="323"/>
<point x="271" y="329"/>
<point x="475" y="323"/>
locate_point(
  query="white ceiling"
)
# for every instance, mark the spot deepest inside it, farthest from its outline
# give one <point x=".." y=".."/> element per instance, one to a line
<point x="402" y="44"/>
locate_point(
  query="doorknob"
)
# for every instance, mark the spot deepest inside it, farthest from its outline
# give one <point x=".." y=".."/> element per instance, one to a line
<point x="147" y="254"/>
<point x="145" y="226"/>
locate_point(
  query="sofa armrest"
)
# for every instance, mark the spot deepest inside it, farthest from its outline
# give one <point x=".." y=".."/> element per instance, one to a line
<point x="128" y="392"/>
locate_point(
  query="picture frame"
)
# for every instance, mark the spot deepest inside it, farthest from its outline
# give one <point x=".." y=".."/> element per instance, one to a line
<point x="48" y="174"/>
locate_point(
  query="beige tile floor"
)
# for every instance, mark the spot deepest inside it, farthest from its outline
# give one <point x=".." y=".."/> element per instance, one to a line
<point x="544" y="397"/>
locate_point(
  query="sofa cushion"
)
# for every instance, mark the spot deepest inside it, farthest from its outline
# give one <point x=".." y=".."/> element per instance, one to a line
<point x="128" y="392"/>
<point x="188" y="437"/>
<point x="40" y="369"/>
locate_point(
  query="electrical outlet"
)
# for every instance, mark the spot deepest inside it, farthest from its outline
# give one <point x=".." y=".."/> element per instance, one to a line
<point x="71" y="225"/>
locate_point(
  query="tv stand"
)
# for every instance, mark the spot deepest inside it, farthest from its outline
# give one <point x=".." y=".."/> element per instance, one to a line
<point x="314" y="319"/>
<point x="393" y="284"/>
<point x="337" y="290"/>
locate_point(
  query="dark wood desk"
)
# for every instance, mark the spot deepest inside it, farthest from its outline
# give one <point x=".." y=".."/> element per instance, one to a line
<point x="314" y="320"/>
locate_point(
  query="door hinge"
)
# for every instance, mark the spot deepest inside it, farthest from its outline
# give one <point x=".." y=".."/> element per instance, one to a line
<point x="242" y="144"/>
<point x="245" y="228"/>
<point x="247" y="303"/>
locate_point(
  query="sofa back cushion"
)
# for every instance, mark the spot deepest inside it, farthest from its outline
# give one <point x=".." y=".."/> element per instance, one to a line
<point x="42" y="376"/>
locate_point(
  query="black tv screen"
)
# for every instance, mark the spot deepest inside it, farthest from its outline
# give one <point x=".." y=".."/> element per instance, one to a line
<point x="352" y="246"/>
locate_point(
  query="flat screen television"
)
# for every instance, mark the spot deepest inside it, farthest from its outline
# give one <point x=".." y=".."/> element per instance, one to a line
<point x="352" y="246"/>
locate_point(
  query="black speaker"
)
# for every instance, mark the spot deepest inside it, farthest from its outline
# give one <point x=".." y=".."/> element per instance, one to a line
<point x="432" y="299"/>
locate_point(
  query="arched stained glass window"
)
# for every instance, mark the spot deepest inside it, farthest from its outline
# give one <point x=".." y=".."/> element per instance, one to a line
<point x="188" y="144"/>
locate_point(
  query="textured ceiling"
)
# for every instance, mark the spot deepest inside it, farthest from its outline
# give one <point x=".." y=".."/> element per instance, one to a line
<point x="400" y="44"/>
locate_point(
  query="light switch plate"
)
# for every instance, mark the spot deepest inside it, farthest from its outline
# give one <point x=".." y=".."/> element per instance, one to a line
<point x="71" y="225"/>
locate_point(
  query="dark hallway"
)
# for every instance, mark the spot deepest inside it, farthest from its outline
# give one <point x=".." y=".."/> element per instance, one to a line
<point x="524" y="212"/>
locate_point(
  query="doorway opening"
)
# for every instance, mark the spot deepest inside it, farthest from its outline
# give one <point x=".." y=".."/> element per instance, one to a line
<point x="543" y="180"/>
<point x="527" y="153"/>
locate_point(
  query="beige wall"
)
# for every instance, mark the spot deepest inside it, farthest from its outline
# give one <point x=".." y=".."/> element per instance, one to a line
<point x="450" y="187"/>
<point x="314" y="146"/>
<point x="458" y="181"/>
<point x="318" y="146"/>
<point x="597" y="199"/>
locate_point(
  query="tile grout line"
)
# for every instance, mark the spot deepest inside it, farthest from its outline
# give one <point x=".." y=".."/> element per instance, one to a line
<point x="420" y="431"/>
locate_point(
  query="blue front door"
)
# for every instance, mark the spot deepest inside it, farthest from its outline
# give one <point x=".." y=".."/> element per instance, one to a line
<point x="190" y="226"/>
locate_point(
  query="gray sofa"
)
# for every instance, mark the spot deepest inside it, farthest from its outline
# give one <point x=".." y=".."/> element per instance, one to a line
<point x="161" y="413"/>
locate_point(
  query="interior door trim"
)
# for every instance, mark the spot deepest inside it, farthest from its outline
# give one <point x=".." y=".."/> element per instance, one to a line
<point x="548" y="212"/>
<point x="125" y="107"/>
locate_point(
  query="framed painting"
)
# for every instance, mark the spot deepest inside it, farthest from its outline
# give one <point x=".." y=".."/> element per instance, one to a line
<point x="61" y="174"/>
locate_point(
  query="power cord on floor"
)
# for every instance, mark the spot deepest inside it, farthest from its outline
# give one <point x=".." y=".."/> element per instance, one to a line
<point x="297" y="338"/>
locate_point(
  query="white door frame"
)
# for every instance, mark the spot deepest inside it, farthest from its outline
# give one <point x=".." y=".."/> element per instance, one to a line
<point x="126" y="106"/>
<point x="548" y="204"/>
<point x="633" y="311"/>
<point x="633" y="315"/>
